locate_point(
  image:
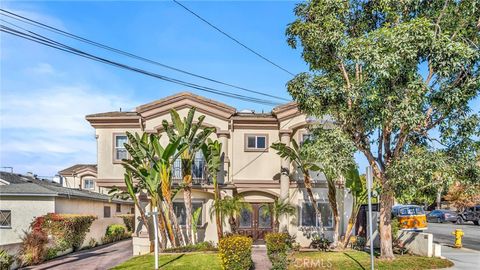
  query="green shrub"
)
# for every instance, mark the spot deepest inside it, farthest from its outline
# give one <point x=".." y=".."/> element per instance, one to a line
<point x="202" y="246"/>
<point x="236" y="252"/>
<point x="6" y="260"/>
<point x="115" y="232"/>
<point x="65" y="230"/>
<point x="278" y="246"/>
<point x="129" y="220"/>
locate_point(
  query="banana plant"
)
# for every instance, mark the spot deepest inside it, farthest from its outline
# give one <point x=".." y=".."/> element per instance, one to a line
<point x="303" y="163"/>
<point x="212" y="151"/>
<point x="191" y="139"/>
<point x="195" y="217"/>
<point x="356" y="184"/>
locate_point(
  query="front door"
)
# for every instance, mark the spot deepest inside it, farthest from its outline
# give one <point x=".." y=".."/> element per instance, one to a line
<point x="256" y="223"/>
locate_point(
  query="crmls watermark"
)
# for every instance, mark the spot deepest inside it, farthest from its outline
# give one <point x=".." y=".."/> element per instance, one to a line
<point x="310" y="263"/>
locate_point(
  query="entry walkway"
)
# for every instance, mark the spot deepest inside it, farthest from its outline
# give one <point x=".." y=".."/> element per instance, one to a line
<point x="260" y="258"/>
<point x="103" y="257"/>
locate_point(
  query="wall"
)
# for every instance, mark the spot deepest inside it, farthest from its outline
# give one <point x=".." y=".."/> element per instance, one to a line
<point x="98" y="229"/>
<point x="24" y="210"/>
<point x="88" y="207"/>
<point x="77" y="182"/>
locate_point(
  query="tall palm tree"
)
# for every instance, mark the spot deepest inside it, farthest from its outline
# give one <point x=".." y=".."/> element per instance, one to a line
<point x="191" y="139"/>
<point x="303" y="163"/>
<point x="230" y="207"/>
<point x="278" y="209"/>
<point x="212" y="152"/>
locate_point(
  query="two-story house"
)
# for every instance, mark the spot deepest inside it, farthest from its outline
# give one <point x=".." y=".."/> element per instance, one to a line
<point x="252" y="169"/>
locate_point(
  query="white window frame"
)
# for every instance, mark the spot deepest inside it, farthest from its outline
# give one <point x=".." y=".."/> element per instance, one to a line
<point x="85" y="183"/>
<point x="256" y="148"/>
<point x="302" y="203"/>
<point x="118" y="147"/>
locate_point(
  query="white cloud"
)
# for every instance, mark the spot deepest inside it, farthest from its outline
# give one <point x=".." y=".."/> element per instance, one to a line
<point x="43" y="69"/>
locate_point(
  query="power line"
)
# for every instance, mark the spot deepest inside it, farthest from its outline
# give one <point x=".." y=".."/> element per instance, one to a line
<point x="232" y="38"/>
<point x="35" y="23"/>
<point x="35" y="37"/>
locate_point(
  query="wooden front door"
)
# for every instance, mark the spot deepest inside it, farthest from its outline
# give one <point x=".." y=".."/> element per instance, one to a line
<point x="256" y="223"/>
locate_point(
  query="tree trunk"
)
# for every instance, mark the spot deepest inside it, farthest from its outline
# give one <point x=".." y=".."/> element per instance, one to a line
<point x="332" y="199"/>
<point x="187" y="197"/>
<point x="163" y="226"/>
<point x="218" y="218"/>
<point x="178" y="231"/>
<point x="233" y="224"/>
<point x="439" y="198"/>
<point x="308" y="187"/>
<point x="386" y="203"/>
<point x="351" y="222"/>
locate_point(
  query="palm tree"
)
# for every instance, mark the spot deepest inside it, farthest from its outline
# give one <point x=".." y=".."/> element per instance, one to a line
<point x="212" y="152"/>
<point x="303" y="163"/>
<point x="186" y="132"/>
<point x="230" y="207"/>
<point x="278" y="209"/>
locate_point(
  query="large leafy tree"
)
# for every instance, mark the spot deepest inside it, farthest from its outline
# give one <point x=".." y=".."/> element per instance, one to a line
<point x="191" y="138"/>
<point x="334" y="155"/>
<point x="388" y="72"/>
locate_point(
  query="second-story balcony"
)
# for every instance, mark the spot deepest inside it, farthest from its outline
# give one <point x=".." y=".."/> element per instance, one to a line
<point x="199" y="173"/>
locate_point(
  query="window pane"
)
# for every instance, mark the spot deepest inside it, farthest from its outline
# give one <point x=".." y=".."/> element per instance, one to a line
<point x="327" y="217"/>
<point x="245" y="219"/>
<point x="5" y="218"/>
<point x="179" y="209"/>
<point x="251" y="142"/>
<point x="106" y="211"/>
<point x="264" y="217"/>
<point x="261" y="142"/>
<point x="120" y="140"/>
<point x="121" y="153"/>
<point x="308" y="215"/>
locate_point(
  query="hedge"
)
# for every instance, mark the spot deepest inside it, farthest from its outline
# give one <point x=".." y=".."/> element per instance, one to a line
<point x="129" y="220"/>
<point x="277" y="250"/>
<point x="235" y="252"/>
<point x="115" y="232"/>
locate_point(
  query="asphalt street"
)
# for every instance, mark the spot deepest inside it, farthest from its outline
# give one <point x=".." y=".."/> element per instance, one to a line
<point x="442" y="234"/>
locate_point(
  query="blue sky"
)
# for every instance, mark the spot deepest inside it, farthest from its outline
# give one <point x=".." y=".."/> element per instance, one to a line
<point x="45" y="93"/>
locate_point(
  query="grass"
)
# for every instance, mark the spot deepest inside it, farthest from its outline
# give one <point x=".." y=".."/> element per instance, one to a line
<point x="187" y="261"/>
<point x="361" y="260"/>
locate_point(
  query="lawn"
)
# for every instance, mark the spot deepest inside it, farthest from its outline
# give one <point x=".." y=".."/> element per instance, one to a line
<point x="361" y="260"/>
<point x="188" y="261"/>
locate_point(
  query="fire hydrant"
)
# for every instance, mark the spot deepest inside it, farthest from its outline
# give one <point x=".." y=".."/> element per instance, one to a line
<point x="458" y="233"/>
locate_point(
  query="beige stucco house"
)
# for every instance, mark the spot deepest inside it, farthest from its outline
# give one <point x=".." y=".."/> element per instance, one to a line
<point x="82" y="176"/>
<point x="252" y="169"/>
<point x="23" y="197"/>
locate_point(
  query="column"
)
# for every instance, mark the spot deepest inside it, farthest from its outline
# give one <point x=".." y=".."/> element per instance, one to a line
<point x="284" y="177"/>
<point x="223" y="176"/>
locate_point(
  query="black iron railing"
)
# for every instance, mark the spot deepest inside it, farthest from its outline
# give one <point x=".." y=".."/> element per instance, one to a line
<point x="199" y="174"/>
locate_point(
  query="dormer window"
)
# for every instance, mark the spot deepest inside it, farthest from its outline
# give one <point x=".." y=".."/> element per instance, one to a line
<point x="88" y="184"/>
<point x="256" y="142"/>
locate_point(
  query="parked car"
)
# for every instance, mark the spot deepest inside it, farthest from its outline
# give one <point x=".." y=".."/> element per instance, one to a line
<point x="442" y="215"/>
<point x="410" y="217"/>
<point x="470" y="214"/>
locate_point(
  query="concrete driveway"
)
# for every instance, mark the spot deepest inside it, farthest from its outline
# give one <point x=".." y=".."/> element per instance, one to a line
<point x="442" y="234"/>
<point x="103" y="257"/>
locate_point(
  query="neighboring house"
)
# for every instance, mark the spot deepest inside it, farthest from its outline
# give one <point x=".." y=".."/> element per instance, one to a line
<point x="82" y="176"/>
<point x="252" y="169"/>
<point x="22" y="198"/>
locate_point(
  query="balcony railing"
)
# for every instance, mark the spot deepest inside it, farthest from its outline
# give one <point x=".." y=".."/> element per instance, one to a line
<point x="199" y="174"/>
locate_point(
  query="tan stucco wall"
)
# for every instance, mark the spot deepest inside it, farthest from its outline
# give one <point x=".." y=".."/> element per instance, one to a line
<point x="254" y="165"/>
<point x="107" y="169"/>
<point x="24" y="210"/>
<point x="77" y="181"/>
<point x="88" y="207"/>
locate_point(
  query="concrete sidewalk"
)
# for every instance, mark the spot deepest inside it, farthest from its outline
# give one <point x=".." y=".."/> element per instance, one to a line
<point x="102" y="257"/>
<point x="463" y="258"/>
<point x="259" y="257"/>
